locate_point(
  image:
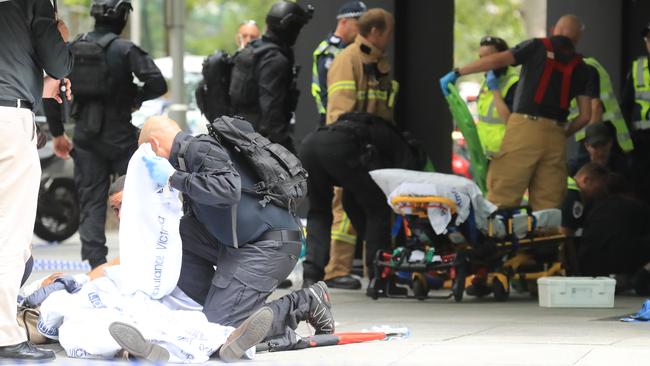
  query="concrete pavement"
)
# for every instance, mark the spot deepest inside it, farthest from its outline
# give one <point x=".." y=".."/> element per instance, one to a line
<point x="475" y="332"/>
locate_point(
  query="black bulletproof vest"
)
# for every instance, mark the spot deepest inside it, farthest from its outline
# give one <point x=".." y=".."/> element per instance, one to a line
<point x="248" y="218"/>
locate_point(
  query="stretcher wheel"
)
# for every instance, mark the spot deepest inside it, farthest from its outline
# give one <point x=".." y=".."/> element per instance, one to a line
<point x="500" y="292"/>
<point x="420" y="286"/>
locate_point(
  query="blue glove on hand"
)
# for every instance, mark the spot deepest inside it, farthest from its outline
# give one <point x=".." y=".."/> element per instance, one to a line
<point x="450" y="78"/>
<point x="492" y="80"/>
<point x="159" y="169"/>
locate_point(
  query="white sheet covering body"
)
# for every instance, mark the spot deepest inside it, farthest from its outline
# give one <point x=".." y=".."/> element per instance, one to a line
<point x="150" y="243"/>
<point x="80" y="322"/>
<point x="395" y="182"/>
<point x="465" y="193"/>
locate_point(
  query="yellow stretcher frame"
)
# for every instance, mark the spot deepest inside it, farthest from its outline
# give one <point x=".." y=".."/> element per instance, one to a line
<point x="420" y="204"/>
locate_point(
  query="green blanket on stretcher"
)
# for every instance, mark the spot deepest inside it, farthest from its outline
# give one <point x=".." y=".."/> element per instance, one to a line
<point x="467" y="127"/>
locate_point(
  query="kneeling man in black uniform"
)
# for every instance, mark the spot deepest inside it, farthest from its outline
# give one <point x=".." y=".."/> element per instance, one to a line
<point x="253" y="243"/>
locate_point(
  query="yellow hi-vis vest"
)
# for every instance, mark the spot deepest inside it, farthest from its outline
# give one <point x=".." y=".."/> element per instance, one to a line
<point x="612" y="108"/>
<point x="641" y="78"/>
<point x="324" y="48"/>
<point x="490" y="127"/>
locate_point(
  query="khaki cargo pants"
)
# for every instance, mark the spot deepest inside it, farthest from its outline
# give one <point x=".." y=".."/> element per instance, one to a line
<point x="533" y="157"/>
<point x="344" y="239"/>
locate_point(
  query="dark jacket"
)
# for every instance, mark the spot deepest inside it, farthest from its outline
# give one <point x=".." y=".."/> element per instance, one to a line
<point x="271" y="115"/>
<point x="212" y="183"/>
<point x="124" y="59"/>
<point x="30" y="43"/>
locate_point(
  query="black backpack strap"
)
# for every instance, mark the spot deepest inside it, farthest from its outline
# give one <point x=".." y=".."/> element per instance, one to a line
<point x="105" y="40"/>
<point x="181" y="155"/>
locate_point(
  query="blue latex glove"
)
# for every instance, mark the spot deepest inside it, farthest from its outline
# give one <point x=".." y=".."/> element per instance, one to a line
<point x="492" y="80"/>
<point x="450" y="78"/>
<point x="159" y="169"/>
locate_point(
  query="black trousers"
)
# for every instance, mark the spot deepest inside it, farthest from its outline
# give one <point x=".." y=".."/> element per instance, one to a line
<point x="332" y="158"/>
<point x="243" y="279"/>
<point x="92" y="176"/>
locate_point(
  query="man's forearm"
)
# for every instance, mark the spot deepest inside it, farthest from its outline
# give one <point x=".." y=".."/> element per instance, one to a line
<point x="492" y="62"/>
<point x="577" y="124"/>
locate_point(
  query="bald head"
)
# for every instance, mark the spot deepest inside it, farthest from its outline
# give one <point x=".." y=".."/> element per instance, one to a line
<point x="159" y="131"/>
<point x="569" y="26"/>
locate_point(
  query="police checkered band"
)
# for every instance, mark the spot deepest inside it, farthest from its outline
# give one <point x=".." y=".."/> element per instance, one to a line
<point x="353" y="9"/>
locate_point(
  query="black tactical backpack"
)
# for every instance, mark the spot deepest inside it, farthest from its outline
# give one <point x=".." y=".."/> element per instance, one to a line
<point x="283" y="180"/>
<point x="243" y="83"/>
<point x="211" y="94"/>
<point x="90" y="76"/>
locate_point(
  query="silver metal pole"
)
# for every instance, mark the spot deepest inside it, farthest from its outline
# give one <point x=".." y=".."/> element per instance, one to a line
<point x="175" y="15"/>
<point x="136" y="22"/>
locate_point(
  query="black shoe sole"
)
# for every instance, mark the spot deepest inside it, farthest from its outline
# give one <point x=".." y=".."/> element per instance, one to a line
<point x="130" y="339"/>
<point x="247" y="335"/>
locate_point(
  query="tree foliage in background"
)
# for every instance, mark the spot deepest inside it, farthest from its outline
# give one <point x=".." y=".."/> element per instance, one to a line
<point x="211" y="24"/>
<point x="477" y="18"/>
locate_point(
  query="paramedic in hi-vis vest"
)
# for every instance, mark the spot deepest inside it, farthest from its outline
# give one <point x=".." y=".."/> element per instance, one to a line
<point x="339" y="268"/>
<point x="495" y="99"/>
<point x="604" y="108"/>
<point x="533" y="152"/>
<point x="358" y="81"/>
<point x="636" y="109"/>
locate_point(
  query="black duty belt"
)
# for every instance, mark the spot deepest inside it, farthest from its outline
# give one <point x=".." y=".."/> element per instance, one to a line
<point x="15" y="103"/>
<point x="281" y="235"/>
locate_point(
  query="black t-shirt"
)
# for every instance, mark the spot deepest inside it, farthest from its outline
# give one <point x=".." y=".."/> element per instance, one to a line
<point x="531" y="54"/>
<point x="573" y="211"/>
<point x="616" y="237"/>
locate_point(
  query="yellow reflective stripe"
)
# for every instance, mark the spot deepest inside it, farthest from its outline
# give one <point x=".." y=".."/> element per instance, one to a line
<point x="571" y="184"/>
<point x="393" y="93"/>
<point x="372" y="94"/>
<point x="341" y="232"/>
<point x="342" y="85"/>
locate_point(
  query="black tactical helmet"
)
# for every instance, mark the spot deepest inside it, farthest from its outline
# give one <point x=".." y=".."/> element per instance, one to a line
<point x="286" y="18"/>
<point x="111" y="10"/>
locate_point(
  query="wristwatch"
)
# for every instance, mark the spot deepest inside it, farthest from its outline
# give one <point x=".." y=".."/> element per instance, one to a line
<point x="457" y="71"/>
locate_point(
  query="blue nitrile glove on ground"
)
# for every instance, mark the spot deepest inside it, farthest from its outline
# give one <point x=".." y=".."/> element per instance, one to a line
<point x="642" y="316"/>
<point x="450" y="78"/>
<point x="159" y="169"/>
<point x="492" y="80"/>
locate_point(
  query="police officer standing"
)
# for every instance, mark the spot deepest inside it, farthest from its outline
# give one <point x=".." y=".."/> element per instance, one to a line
<point x="104" y="138"/>
<point x="533" y="152"/>
<point x="346" y="31"/>
<point x="32" y="41"/>
<point x="337" y="272"/>
<point x="253" y="246"/>
<point x="263" y="82"/>
<point x="636" y="109"/>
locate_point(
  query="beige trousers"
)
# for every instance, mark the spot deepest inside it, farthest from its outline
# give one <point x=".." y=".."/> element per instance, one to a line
<point x="344" y="238"/>
<point x="20" y="173"/>
<point x="533" y="157"/>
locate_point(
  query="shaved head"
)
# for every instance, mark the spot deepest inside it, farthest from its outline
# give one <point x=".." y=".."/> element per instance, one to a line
<point x="569" y="26"/>
<point x="159" y="131"/>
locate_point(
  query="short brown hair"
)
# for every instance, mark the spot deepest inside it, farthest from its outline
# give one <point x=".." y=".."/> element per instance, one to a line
<point x="375" y="18"/>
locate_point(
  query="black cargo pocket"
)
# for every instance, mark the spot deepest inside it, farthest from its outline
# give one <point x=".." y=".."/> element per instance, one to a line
<point x="90" y="122"/>
<point x="255" y="281"/>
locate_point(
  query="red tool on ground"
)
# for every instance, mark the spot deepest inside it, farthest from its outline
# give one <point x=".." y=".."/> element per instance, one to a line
<point x="338" y="339"/>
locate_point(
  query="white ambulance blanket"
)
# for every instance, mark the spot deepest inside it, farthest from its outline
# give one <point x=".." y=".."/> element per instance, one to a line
<point x="80" y="322"/>
<point x="150" y="243"/>
<point x="464" y="192"/>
